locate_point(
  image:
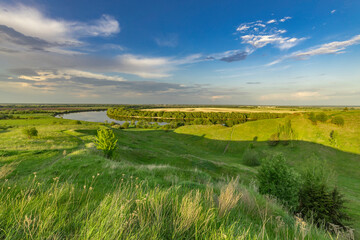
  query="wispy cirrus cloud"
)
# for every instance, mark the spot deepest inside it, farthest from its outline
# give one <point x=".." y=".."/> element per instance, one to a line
<point x="260" y="34"/>
<point x="169" y="40"/>
<point x="335" y="47"/>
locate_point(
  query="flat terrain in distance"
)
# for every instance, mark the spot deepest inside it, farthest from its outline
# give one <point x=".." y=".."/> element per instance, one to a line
<point x="244" y="110"/>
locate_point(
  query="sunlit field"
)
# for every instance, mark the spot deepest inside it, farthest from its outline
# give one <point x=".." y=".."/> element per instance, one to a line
<point x="186" y="183"/>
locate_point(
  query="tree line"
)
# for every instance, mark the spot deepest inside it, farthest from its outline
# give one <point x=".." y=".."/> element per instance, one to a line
<point x="199" y="118"/>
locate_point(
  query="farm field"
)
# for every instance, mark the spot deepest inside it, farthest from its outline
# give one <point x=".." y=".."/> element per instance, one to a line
<point x="185" y="163"/>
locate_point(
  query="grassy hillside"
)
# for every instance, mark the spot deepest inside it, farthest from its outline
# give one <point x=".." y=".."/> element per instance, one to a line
<point x="310" y="144"/>
<point x="184" y="184"/>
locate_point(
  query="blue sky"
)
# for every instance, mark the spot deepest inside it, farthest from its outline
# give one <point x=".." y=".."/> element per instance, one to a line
<point x="205" y="52"/>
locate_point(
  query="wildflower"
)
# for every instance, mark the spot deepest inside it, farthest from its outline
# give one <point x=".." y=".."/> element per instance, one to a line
<point x="131" y="177"/>
<point x="9" y="187"/>
<point x="6" y="180"/>
<point x="136" y="178"/>
<point x="98" y="174"/>
<point x="93" y="176"/>
<point x="123" y="174"/>
<point x="90" y="188"/>
<point x="84" y="186"/>
<point x="122" y="179"/>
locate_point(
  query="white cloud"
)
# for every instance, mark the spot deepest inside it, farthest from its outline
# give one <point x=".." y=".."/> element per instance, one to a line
<point x="144" y="66"/>
<point x="242" y="28"/>
<point x="336" y="47"/>
<point x="284" y="19"/>
<point x="259" y="41"/>
<point x="300" y="95"/>
<point x="34" y="23"/>
<point x="44" y="75"/>
<point x="214" y="98"/>
<point x="268" y="34"/>
<point x="333" y="11"/>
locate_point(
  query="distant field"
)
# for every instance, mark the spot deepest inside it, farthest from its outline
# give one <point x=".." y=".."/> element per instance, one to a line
<point x="245" y="110"/>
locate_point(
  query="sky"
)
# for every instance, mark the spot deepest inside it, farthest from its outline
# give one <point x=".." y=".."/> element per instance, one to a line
<point x="297" y="52"/>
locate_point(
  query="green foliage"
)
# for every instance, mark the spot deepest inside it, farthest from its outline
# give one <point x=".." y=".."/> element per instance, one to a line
<point x="196" y="118"/>
<point x="30" y="132"/>
<point x="338" y="120"/>
<point x="333" y="137"/>
<point x="106" y="141"/>
<point x="286" y="133"/>
<point x="251" y="158"/>
<point x="312" y="118"/>
<point x="321" y="117"/>
<point x="277" y="179"/>
<point x="318" y="201"/>
<point x="125" y="125"/>
<point x="274" y="140"/>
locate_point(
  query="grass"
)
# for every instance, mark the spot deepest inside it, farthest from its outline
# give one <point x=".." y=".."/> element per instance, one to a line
<point x="160" y="185"/>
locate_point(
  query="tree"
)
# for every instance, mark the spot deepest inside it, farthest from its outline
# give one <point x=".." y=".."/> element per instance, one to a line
<point x="277" y="179"/>
<point x="30" y="132"/>
<point x="318" y="201"/>
<point x="106" y="141"/>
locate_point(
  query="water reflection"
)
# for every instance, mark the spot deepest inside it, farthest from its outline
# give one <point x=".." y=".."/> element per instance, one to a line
<point x="101" y="116"/>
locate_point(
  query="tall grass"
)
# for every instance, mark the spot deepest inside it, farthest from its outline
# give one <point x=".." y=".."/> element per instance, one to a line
<point x="133" y="210"/>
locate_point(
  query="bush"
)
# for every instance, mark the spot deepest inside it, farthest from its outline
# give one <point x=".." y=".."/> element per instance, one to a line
<point x="286" y="133"/>
<point x="338" y="121"/>
<point x="312" y="118"/>
<point x="251" y="158"/>
<point x="322" y="117"/>
<point x="274" y="140"/>
<point x="106" y="141"/>
<point x="30" y="132"/>
<point x="277" y="179"/>
<point x="125" y="125"/>
<point x="318" y="202"/>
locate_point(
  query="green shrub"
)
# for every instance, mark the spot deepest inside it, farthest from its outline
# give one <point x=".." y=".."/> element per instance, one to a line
<point x="338" y="121"/>
<point x="333" y="137"/>
<point x="106" y="141"/>
<point x="30" y="132"/>
<point x="166" y="127"/>
<point x="277" y="179"/>
<point x="125" y="125"/>
<point x="251" y="158"/>
<point x="274" y="140"/>
<point x="286" y="133"/>
<point x="312" y="118"/>
<point x="322" y="117"/>
<point x="317" y="201"/>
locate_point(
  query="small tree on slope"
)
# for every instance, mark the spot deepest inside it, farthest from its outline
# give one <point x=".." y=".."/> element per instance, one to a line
<point x="106" y="141"/>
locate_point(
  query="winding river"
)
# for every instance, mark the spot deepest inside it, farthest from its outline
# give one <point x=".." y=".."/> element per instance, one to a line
<point x="94" y="116"/>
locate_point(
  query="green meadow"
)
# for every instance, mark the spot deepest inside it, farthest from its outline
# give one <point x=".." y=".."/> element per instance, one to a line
<point x="187" y="183"/>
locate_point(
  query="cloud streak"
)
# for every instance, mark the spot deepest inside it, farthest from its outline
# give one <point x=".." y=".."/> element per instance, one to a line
<point x="335" y="47"/>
